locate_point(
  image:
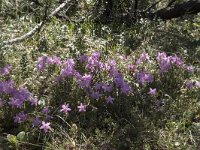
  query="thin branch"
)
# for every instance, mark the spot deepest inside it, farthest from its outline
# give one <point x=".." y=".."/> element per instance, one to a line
<point x="135" y="8"/>
<point x="136" y="5"/>
<point x="38" y="27"/>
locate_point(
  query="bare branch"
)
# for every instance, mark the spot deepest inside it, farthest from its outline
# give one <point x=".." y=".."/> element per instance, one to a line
<point x="38" y="27"/>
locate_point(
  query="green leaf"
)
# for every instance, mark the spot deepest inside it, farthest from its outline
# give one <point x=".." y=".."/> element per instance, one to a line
<point x="12" y="139"/>
<point x="21" y="136"/>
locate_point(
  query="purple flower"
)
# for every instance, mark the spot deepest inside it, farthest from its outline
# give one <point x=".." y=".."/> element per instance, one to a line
<point x="98" y="86"/>
<point x="18" y="103"/>
<point x="22" y="94"/>
<point x="85" y="80"/>
<point x="125" y="88"/>
<point x="190" y="84"/>
<point x="41" y="65"/>
<point x="34" y="101"/>
<point x="114" y="72"/>
<point x="36" y="122"/>
<point x="107" y="88"/>
<point x="106" y="66"/>
<point x="144" y="77"/>
<point x="132" y="67"/>
<point x="96" y="95"/>
<point x="7" y="87"/>
<point x="93" y="63"/>
<point x="109" y="99"/>
<point x="59" y="78"/>
<point x="45" y="126"/>
<point x="152" y="92"/>
<point x="119" y="80"/>
<point x="20" y="117"/>
<point x="164" y="62"/>
<point x="45" y="110"/>
<point x="190" y="69"/>
<point x="5" y="71"/>
<point x="96" y="55"/>
<point x="161" y="56"/>
<point x="82" y="107"/>
<point x="49" y="61"/>
<point x="68" y="68"/>
<point x="67" y="71"/>
<point x="69" y="63"/>
<point x="177" y="60"/>
<point x="56" y="60"/>
<point x="112" y="63"/>
<point x="65" y="108"/>
<point x="197" y="84"/>
<point x="101" y="65"/>
<point x="145" y="56"/>
<point x="139" y="61"/>
<point x="43" y="60"/>
<point x="83" y="58"/>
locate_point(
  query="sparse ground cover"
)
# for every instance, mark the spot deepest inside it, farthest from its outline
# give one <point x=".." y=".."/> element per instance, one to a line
<point x="86" y="85"/>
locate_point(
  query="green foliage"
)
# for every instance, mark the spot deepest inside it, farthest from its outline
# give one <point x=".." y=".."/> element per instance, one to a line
<point x="170" y="120"/>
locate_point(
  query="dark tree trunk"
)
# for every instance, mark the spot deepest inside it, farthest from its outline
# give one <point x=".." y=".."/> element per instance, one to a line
<point x="189" y="7"/>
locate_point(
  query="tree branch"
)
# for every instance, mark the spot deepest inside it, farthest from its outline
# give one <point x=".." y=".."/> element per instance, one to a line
<point x="38" y="27"/>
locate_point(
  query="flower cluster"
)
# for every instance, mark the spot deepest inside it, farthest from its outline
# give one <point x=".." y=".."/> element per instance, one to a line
<point x="166" y="62"/>
<point x="43" y="61"/>
<point x="100" y="81"/>
<point x="5" y="70"/>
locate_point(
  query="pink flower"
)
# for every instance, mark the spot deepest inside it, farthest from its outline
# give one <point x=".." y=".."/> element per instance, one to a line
<point x="45" y="126"/>
<point x="152" y="92"/>
<point x="190" y="69"/>
<point x="82" y="108"/>
<point x="56" y="60"/>
<point x="65" y="108"/>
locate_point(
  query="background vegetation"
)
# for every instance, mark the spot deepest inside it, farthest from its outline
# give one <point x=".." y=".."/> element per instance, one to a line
<point x="122" y="43"/>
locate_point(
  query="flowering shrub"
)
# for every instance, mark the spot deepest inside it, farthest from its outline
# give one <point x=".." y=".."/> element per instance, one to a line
<point x="90" y="84"/>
